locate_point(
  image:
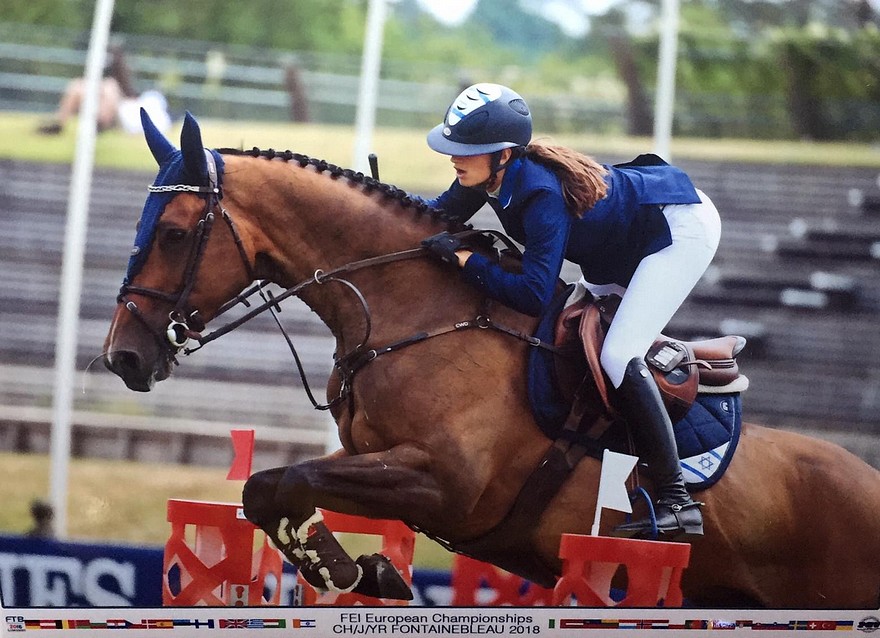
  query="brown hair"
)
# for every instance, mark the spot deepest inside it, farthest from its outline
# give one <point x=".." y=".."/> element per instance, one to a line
<point x="581" y="176"/>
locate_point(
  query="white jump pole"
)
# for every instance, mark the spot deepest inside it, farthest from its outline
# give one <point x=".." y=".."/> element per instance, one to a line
<point x="664" y="107"/>
<point x="72" y="266"/>
<point x="371" y="62"/>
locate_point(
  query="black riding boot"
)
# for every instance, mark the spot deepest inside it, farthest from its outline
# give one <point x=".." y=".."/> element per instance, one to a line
<point x="643" y="408"/>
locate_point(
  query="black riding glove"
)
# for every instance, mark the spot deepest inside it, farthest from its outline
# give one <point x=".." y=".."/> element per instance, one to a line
<point x="443" y="245"/>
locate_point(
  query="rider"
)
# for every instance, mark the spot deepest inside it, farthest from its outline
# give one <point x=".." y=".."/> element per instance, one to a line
<point x="640" y="229"/>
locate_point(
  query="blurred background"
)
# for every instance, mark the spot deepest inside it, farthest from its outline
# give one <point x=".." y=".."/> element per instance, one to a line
<point x="776" y="112"/>
<point x="758" y="69"/>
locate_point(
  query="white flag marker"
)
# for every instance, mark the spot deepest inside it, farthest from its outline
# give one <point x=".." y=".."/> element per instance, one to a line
<point x="612" y="485"/>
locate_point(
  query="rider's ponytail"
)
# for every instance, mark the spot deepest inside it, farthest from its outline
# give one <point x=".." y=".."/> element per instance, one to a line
<point x="581" y="176"/>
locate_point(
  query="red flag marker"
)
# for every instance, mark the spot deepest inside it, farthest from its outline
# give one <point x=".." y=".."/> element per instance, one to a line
<point x="243" y="455"/>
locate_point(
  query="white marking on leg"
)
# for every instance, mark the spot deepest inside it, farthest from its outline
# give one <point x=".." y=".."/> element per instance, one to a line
<point x="282" y="534"/>
<point x="302" y="533"/>
<point x="325" y="574"/>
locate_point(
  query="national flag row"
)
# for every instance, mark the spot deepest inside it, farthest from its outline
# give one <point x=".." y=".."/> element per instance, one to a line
<point x="172" y="623"/>
<point x="648" y="623"/>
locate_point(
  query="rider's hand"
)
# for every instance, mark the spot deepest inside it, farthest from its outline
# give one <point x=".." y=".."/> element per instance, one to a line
<point x="443" y="246"/>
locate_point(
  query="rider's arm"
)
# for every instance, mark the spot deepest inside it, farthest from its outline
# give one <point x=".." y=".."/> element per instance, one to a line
<point x="546" y="224"/>
<point x="458" y="202"/>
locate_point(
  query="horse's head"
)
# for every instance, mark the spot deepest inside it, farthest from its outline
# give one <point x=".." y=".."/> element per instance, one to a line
<point x="184" y="264"/>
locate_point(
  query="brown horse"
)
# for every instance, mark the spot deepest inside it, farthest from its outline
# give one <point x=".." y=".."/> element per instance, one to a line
<point x="433" y="418"/>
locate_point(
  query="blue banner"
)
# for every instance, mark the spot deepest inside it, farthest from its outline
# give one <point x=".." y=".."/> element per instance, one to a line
<point x="37" y="572"/>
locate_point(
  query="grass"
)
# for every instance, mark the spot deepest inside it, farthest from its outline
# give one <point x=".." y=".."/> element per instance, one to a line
<point x="404" y="158"/>
<point x="109" y="500"/>
<point x="125" y="502"/>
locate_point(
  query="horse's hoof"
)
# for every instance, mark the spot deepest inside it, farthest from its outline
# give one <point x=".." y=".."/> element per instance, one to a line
<point x="381" y="579"/>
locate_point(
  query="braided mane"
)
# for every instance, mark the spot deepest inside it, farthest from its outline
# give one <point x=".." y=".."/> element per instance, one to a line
<point x="369" y="183"/>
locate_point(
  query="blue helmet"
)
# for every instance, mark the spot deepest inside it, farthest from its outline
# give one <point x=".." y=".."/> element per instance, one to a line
<point x="484" y="118"/>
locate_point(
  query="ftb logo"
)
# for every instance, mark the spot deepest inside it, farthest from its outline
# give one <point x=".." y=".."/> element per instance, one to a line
<point x="15" y="623"/>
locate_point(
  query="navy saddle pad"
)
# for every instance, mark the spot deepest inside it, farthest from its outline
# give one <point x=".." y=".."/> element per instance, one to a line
<point x="706" y="437"/>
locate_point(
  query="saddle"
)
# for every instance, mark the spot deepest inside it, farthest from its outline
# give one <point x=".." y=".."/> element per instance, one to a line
<point x="682" y="369"/>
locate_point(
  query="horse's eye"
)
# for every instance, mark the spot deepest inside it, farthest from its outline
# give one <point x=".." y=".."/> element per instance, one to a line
<point x="174" y="235"/>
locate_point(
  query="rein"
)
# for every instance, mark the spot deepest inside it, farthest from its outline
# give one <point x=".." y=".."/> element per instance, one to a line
<point x="349" y="364"/>
<point x="183" y="325"/>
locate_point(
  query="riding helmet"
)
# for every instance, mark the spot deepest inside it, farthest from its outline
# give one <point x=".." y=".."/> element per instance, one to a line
<point x="484" y="118"/>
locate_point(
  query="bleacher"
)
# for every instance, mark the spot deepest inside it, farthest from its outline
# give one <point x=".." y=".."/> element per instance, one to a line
<point x="810" y="315"/>
<point x="797" y="267"/>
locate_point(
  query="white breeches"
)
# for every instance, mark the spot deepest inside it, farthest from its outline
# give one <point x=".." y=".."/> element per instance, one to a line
<point x="660" y="284"/>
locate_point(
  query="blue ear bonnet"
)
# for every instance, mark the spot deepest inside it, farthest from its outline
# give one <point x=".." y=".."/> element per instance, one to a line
<point x="187" y="166"/>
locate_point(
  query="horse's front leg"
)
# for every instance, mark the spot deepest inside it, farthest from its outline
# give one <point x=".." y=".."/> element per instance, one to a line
<point x="390" y="484"/>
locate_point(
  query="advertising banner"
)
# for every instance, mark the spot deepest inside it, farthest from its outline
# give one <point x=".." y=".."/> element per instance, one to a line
<point x="36" y="572"/>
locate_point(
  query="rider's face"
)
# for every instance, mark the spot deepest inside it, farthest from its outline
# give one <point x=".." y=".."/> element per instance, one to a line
<point x="472" y="169"/>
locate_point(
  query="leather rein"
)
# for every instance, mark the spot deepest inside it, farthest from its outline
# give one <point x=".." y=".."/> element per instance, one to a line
<point x="185" y="325"/>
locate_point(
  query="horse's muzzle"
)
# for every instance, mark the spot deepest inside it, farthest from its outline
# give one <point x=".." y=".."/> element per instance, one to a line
<point x="132" y="369"/>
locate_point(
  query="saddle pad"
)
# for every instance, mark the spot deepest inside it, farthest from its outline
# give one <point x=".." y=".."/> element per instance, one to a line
<point x="547" y="402"/>
<point x="706" y="437"/>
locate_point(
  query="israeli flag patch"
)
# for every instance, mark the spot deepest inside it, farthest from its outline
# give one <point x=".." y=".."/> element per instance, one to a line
<point x="707" y="437"/>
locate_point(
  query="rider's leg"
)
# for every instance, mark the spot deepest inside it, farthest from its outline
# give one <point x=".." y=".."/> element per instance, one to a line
<point x="659" y="286"/>
<point x="641" y="405"/>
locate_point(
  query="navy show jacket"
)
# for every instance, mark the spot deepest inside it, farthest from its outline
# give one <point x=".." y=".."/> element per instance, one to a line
<point x="608" y="242"/>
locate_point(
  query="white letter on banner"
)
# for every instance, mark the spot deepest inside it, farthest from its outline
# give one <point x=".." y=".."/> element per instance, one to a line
<point x="104" y="567"/>
<point x="53" y="578"/>
<point x="8" y="564"/>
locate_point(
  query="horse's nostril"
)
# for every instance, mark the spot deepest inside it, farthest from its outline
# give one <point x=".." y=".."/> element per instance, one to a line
<point x="129" y="366"/>
<point x="123" y="362"/>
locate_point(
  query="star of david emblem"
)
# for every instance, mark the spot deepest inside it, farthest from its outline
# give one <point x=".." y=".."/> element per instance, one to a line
<point x="706" y="462"/>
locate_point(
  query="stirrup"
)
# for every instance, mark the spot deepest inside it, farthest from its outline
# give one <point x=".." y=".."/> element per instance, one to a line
<point x="666" y="521"/>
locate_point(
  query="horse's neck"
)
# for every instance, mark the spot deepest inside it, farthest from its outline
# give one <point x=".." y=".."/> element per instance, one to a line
<point x="307" y="221"/>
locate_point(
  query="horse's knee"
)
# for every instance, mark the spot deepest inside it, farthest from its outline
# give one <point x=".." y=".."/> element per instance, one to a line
<point x="270" y="494"/>
<point x="258" y="495"/>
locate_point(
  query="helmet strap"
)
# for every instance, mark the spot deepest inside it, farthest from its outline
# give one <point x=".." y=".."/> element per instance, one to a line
<point x="495" y="165"/>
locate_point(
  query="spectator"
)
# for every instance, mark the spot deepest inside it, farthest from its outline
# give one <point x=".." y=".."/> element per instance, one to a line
<point x="42" y="514"/>
<point x="118" y="102"/>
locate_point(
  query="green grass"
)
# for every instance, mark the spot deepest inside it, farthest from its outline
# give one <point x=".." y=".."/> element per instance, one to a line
<point x="404" y="158"/>
<point x="125" y="502"/>
<point x="109" y="500"/>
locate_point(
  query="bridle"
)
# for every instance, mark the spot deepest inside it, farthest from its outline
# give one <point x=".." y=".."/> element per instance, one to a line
<point x="185" y="324"/>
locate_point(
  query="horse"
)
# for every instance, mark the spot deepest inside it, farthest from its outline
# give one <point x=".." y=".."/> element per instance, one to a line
<point x="430" y="396"/>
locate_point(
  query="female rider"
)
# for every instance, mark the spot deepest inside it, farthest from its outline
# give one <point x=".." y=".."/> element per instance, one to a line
<point x="640" y="229"/>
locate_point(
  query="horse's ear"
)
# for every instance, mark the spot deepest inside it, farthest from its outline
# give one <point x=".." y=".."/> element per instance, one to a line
<point x="159" y="145"/>
<point x="193" y="151"/>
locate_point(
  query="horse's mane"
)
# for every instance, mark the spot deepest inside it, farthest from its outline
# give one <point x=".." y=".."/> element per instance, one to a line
<point x="369" y="183"/>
